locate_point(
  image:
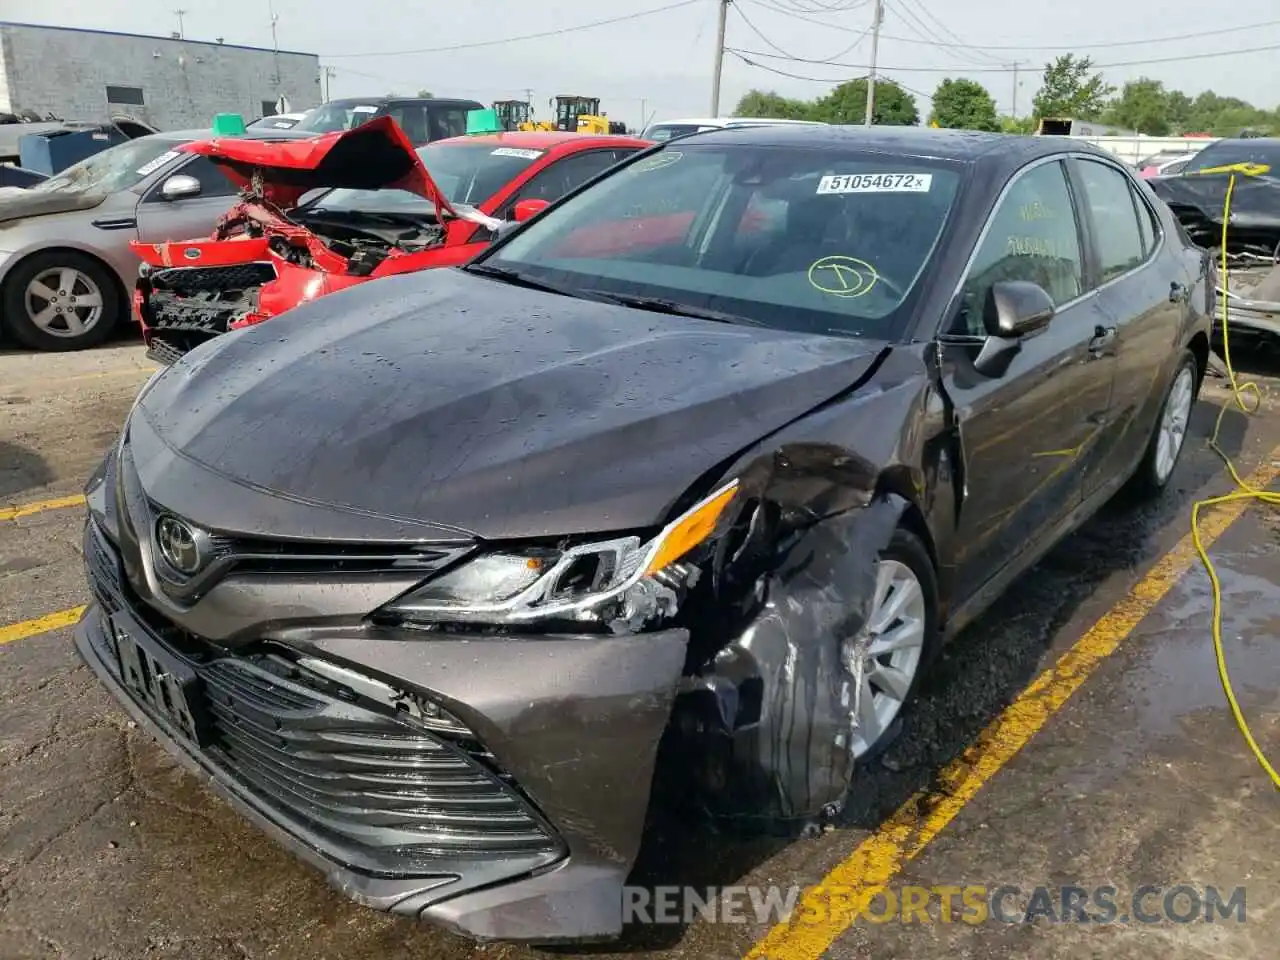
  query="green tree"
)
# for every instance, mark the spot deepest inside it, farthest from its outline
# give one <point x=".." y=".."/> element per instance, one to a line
<point x="1143" y="105"/>
<point x="1178" y="110"/>
<point x="767" y="105"/>
<point x="1017" y="124"/>
<point x="426" y="94"/>
<point x="965" y="105"/>
<point x="847" y="103"/>
<point x="1071" y="89"/>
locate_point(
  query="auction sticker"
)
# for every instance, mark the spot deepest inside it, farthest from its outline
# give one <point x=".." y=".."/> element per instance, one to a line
<point x="517" y="152"/>
<point x="365" y="108"/>
<point x="151" y="166"/>
<point x="876" y="183"/>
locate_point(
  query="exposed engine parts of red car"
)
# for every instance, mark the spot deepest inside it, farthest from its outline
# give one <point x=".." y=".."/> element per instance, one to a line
<point x="285" y="242"/>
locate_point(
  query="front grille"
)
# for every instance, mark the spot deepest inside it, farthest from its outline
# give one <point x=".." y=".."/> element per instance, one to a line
<point x="164" y="352"/>
<point x="399" y="795"/>
<point x="198" y="279"/>
<point x="376" y="789"/>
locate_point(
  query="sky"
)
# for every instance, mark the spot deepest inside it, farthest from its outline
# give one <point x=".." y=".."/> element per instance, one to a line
<point x="662" y="62"/>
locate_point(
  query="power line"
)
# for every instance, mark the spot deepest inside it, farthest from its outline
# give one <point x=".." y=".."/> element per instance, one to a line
<point x="772" y="6"/>
<point x="528" y="36"/>
<point x="737" y="8"/>
<point x="744" y="54"/>
<point x="924" y="30"/>
<point x="1073" y="47"/>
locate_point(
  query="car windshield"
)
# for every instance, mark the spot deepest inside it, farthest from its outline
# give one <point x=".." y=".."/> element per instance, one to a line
<point x="465" y="173"/>
<point x="117" y="168"/>
<point x="1228" y="152"/>
<point x="820" y="241"/>
<point x="338" y="115"/>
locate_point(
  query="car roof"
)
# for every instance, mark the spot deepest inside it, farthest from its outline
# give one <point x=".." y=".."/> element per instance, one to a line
<point x="250" y="133"/>
<point x="923" y="142"/>
<point x="732" y="122"/>
<point x="548" y="139"/>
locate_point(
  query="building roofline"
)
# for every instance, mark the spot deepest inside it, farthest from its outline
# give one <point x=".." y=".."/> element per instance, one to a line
<point x="149" y="36"/>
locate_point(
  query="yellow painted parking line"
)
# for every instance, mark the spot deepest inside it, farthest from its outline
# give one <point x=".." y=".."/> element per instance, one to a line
<point x="40" y="506"/>
<point x="828" y="909"/>
<point x="32" y="628"/>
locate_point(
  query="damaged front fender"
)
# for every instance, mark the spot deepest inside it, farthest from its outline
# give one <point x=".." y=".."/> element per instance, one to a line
<point x="768" y="697"/>
<point x="774" y="708"/>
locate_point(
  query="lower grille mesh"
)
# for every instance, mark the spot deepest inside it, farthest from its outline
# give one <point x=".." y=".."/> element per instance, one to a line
<point x="383" y="794"/>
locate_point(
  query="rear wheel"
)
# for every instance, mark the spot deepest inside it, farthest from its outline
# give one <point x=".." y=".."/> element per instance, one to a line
<point x="60" y="300"/>
<point x="1170" y="433"/>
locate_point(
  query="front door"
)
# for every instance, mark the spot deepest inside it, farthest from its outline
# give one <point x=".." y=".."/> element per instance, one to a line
<point x="190" y="218"/>
<point x="1029" y="435"/>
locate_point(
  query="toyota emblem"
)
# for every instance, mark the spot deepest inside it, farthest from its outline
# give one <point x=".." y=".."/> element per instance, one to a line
<point x="178" y="545"/>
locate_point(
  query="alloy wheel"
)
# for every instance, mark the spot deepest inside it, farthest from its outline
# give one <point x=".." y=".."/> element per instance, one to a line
<point x="1173" y="424"/>
<point x="64" y="302"/>
<point x="883" y="659"/>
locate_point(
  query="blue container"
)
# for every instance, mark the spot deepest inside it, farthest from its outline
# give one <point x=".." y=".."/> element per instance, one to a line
<point x="55" y="150"/>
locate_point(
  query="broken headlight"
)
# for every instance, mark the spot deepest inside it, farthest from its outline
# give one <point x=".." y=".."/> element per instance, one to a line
<point x="622" y="583"/>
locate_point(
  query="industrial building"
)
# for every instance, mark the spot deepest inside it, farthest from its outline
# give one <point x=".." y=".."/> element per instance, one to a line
<point x="169" y="82"/>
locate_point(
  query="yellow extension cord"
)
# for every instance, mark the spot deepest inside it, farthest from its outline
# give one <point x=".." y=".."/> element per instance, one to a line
<point x="1243" y="491"/>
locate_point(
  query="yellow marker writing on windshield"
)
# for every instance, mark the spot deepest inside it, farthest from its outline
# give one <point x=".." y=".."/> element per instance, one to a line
<point x="842" y="276"/>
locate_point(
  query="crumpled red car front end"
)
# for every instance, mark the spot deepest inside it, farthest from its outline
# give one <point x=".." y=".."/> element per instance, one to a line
<point x="265" y="257"/>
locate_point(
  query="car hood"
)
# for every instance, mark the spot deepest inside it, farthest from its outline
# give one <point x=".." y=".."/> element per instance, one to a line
<point x="1198" y="201"/>
<point x="455" y="400"/>
<point x="373" y="156"/>
<point x="17" y="203"/>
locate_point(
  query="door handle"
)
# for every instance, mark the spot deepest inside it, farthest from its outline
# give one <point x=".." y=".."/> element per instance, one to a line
<point x="1178" y="292"/>
<point x="1103" y="338"/>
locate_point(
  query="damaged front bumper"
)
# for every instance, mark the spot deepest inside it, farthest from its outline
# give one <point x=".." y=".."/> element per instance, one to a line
<point x="1252" y="300"/>
<point x="517" y="817"/>
<point x="180" y="308"/>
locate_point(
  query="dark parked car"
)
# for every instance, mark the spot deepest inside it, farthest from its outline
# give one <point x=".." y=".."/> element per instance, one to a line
<point x="713" y="452"/>
<point x="423" y="119"/>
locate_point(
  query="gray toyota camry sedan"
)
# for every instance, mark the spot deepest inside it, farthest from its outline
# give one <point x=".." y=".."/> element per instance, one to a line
<point x="687" y="476"/>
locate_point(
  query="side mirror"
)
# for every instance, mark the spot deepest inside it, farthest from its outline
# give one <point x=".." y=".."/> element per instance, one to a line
<point x="1014" y="309"/>
<point x="528" y="209"/>
<point x="179" y="187"/>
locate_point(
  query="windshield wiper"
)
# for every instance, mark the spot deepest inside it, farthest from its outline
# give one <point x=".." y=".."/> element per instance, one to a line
<point x="662" y="305"/>
<point x="516" y="278"/>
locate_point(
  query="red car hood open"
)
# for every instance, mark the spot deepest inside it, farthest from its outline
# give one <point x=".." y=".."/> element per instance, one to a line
<point x="373" y="156"/>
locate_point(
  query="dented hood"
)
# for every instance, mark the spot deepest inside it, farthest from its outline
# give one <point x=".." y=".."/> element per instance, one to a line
<point x="374" y="156"/>
<point x="460" y="401"/>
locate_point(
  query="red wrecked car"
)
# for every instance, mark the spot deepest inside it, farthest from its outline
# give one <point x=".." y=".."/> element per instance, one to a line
<point x="324" y="213"/>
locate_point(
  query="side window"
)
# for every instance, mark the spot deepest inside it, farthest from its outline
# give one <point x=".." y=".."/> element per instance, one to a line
<point x="1148" y="225"/>
<point x="446" y="122"/>
<point x="562" y="176"/>
<point x="412" y="119"/>
<point x="213" y="182"/>
<point x="1032" y="236"/>
<point x="1119" y="237"/>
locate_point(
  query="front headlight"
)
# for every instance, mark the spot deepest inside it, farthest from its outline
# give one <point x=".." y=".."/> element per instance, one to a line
<point x="621" y="583"/>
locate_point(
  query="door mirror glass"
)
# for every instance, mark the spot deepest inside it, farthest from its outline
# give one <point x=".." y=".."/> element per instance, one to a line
<point x="1016" y="308"/>
<point x="179" y="187"/>
<point x="528" y="209"/>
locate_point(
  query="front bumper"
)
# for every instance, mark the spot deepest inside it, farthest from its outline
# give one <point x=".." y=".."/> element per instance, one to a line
<point x="561" y="738"/>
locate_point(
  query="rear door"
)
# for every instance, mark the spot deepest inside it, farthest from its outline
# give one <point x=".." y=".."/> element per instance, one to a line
<point x="190" y="218"/>
<point x="1142" y="290"/>
<point x="1029" y="435"/>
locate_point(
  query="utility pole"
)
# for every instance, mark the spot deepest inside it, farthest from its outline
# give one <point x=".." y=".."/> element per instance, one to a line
<point x="275" y="43"/>
<point x="1014" y="102"/>
<point x="644" y="114"/>
<point x="180" y="13"/>
<point x="718" y="68"/>
<point x="328" y="75"/>
<point x="877" y="17"/>
<point x="528" y="95"/>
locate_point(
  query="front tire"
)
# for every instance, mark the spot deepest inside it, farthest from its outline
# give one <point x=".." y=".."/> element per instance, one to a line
<point x="886" y="659"/>
<point x="1169" y="436"/>
<point x="60" y="300"/>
